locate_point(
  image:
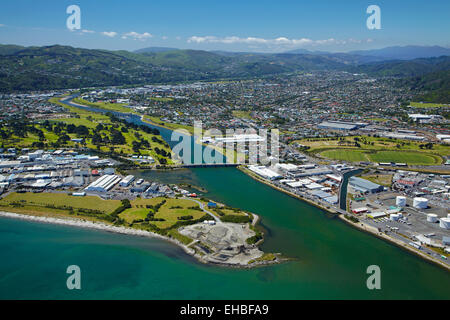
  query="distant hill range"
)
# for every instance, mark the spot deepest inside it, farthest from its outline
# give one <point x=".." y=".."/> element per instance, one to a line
<point x="60" y="67"/>
<point x="155" y="50"/>
<point x="405" y="53"/>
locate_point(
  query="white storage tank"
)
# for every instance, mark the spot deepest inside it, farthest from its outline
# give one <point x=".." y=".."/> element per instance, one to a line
<point x="401" y="201"/>
<point x="394" y="217"/>
<point x="420" y="203"/>
<point x="433" y="218"/>
<point x="445" y="223"/>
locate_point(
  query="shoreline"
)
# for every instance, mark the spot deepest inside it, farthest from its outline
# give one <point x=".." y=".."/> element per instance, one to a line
<point x="84" y="224"/>
<point x="382" y="236"/>
<point x="360" y="225"/>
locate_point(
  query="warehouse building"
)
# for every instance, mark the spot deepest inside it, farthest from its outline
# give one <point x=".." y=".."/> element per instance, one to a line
<point x="337" y="126"/>
<point x="265" y="172"/>
<point x="126" y="181"/>
<point x="365" y="186"/>
<point x="104" y="184"/>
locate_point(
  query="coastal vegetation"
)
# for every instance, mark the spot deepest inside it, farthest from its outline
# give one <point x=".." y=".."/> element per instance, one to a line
<point x="159" y="215"/>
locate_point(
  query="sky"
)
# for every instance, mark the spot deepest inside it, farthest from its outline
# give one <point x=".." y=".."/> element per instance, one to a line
<point x="228" y="25"/>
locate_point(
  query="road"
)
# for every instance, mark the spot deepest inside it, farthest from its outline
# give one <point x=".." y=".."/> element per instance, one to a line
<point x="202" y="206"/>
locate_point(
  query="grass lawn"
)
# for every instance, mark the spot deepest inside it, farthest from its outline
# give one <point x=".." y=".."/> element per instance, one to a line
<point x="242" y="114"/>
<point x="378" y="119"/>
<point x="345" y="155"/>
<point x="168" y="125"/>
<point x="92" y="120"/>
<point x="413" y="158"/>
<point x="170" y="211"/>
<point x="381" y="179"/>
<point x="162" y="99"/>
<point x="428" y="105"/>
<point x="376" y="149"/>
<point x="61" y="199"/>
<point x="118" y="107"/>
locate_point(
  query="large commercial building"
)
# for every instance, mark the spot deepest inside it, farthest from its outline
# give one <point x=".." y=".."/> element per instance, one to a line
<point x="126" y="181"/>
<point x="265" y="172"/>
<point x="104" y="184"/>
<point x="365" y="186"/>
<point x="337" y="126"/>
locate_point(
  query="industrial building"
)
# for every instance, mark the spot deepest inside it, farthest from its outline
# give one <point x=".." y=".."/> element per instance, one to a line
<point x="365" y="186"/>
<point x="265" y="172"/>
<point x="126" y="181"/>
<point x="322" y="171"/>
<point x="104" y="184"/>
<point x="337" y="126"/>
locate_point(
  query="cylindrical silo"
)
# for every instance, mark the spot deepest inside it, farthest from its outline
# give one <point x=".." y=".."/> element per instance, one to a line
<point x="400" y="201"/>
<point x="420" y="203"/>
<point x="433" y="218"/>
<point x="445" y="223"/>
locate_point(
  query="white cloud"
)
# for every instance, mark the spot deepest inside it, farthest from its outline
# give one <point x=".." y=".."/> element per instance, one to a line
<point x="87" y="31"/>
<point x="281" y="41"/>
<point x="110" y="34"/>
<point x="137" y="36"/>
<point x="2" y="25"/>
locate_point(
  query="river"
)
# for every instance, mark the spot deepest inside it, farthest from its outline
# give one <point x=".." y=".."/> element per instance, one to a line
<point x="331" y="257"/>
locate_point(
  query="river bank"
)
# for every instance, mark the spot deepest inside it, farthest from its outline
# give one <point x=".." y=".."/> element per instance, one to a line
<point x="374" y="231"/>
<point x="359" y="225"/>
<point x="268" y="183"/>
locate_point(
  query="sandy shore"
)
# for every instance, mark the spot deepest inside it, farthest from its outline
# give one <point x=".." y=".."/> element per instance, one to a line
<point x="123" y="230"/>
<point x="93" y="225"/>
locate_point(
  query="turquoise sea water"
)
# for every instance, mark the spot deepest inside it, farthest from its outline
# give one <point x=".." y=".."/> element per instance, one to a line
<point x="331" y="257"/>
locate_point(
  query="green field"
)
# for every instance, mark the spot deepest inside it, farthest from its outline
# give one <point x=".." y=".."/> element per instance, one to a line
<point x="345" y="155"/>
<point x="170" y="211"/>
<point x="428" y="105"/>
<point x="118" y="107"/>
<point x="162" y="99"/>
<point x="381" y="179"/>
<point x="411" y="158"/>
<point x="242" y="114"/>
<point x="405" y="157"/>
<point x="168" y="125"/>
<point x="375" y="149"/>
<point x="57" y="203"/>
<point x="92" y="120"/>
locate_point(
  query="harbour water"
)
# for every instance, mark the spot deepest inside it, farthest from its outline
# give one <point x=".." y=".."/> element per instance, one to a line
<point x="331" y="257"/>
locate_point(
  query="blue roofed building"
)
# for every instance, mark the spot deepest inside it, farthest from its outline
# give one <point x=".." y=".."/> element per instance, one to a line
<point x="365" y="186"/>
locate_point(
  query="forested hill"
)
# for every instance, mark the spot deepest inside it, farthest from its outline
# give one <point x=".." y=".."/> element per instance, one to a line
<point x="59" y="67"/>
<point x="62" y="67"/>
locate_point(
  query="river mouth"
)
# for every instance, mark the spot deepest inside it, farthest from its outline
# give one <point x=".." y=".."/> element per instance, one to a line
<point x="331" y="258"/>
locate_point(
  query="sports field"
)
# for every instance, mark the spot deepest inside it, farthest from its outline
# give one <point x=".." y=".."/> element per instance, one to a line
<point x="375" y="149"/>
